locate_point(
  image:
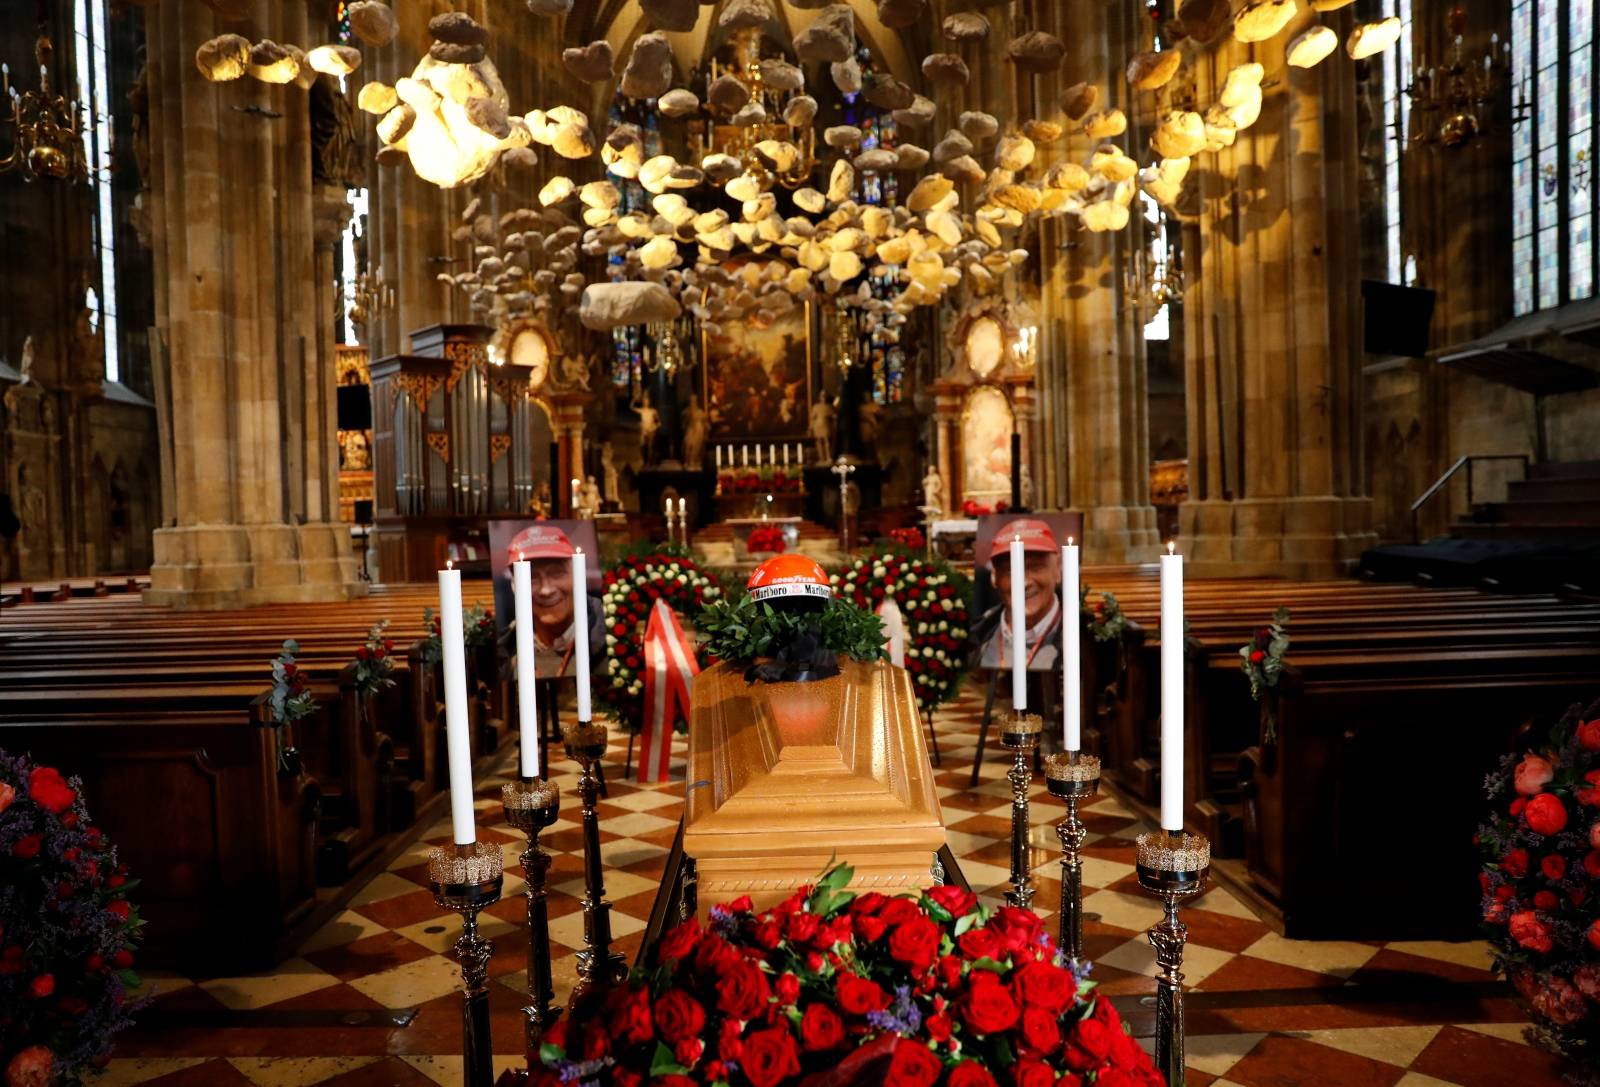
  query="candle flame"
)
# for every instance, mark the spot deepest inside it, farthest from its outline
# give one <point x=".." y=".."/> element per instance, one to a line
<point x="449" y="564"/>
<point x="1016" y="537"/>
<point x="1172" y="547"/>
<point x="1069" y="541"/>
<point x="577" y="550"/>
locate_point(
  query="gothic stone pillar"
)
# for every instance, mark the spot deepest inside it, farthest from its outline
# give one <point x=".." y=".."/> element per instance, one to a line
<point x="1272" y="320"/>
<point x="248" y="441"/>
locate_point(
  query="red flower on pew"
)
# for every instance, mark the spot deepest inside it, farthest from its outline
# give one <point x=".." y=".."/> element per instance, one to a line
<point x="1546" y="814"/>
<point x="1533" y="774"/>
<point x="49" y="790"/>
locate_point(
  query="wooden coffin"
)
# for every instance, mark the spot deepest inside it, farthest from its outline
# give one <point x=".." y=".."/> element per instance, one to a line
<point x="783" y="776"/>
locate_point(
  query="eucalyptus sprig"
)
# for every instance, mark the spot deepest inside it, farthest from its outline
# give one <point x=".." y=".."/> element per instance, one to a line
<point x="742" y="630"/>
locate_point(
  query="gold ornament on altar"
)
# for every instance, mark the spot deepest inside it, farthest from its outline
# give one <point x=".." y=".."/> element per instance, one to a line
<point x="45" y="141"/>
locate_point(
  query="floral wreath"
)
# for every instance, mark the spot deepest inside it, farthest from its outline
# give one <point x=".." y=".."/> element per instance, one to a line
<point x="1541" y="860"/>
<point x="630" y="590"/>
<point x="833" y="987"/>
<point x="1104" y="619"/>
<point x="932" y="596"/>
<point x="67" y="930"/>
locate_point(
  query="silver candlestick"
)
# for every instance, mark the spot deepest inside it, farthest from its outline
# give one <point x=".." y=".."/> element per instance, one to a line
<point x="531" y="806"/>
<point x="1020" y="731"/>
<point x="465" y="879"/>
<point x="598" y="966"/>
<point x="1072" y="776"/>
<point x="1173" y="866"/>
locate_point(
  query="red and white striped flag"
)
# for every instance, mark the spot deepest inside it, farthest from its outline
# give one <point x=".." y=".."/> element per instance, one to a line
<point x="669" y="671"/>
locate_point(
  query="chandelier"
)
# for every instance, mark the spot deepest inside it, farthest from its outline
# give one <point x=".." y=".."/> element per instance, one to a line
<point x="844" y="340"/>
<point x="1154" y="273"/>
<point x="369" y="296"/>
<point x="45" y="141"/>
<point x="741" y="141"/>
<point x="1451" y="95"/>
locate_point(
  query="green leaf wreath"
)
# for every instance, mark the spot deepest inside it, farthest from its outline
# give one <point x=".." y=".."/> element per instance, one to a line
<point x="742" y="630"/>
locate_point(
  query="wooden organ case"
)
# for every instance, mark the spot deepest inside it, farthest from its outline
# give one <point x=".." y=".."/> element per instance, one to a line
<point x="453" y="437"/>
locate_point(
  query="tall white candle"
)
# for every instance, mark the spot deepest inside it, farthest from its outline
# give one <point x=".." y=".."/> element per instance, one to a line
<point x="758" y="456"/>
<point x="1019" y="629"/>
<point x="1171" y="690"/>
<point x="580" y="630"/>
<point x="786" y="454"/>
<point x="744" y="456"/>
<point x="772" y="454"/>
<point x="719" y="458"/>
<point x="458" y="746"/>
<point x="1071" y="629"/>
<point x="527" y="682"/>
<point x="576" y="483"/>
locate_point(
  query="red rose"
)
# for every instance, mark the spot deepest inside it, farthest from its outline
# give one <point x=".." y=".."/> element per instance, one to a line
<point x="1589" y="735"/>
<point x="871" y="902"/>
<point x="730" y="1047"/>
<point x="1517" y="806"/>
<point x="714" y="955"/>
<point x="1020" y="928"/>
<point x="1533" y="773"/>
<point x="769" y="934"/>
<point x="1554" y="867"/>
<point x="742" y="904"/>
<point x="1045" y="985"/>
<point x="1591" y="863"/>
<point x="42" y="986"/>
<point x="596" y="1043"/>
<point x="821" y="1028"/>
<point x="1546" y="814"/>
<point x="743" y="992"/>
<point x="1594" y="836"/>
<point x="679" y="941"/>
<point x="970" y="1074"/>
<point x="633" y="1020"/>
<point x="1039" y="1030"/>
<point x="118" y="908"/>
<point x="981" y="943"/>
<point x="770" y="1057"/>
<point x="7" y="795"/>
<point x="802" y="926"/>
<point x="1545" y="900"/>
<point x="870" y="929"/>
<point x="679" y="1016"/>
<point x="122" y="959"/>
<point x="688" y="1051"/>
<point x="1257" y="656"/>
<point x="1515" y="863"/>
<point x="956" y="901"/>
<point x="788" y="989"/>
<point x="1594" y="934"/>
<point x="900" y="910"/>
<point x="912" y="1065"/>
<point x="950" y="971"/>
<point x="987" y="1006"/>
<point x="1027" y="1073"/>
<point x="93" y="963"/>
<point x="857" y="995"/>
<point x="915" y="943"/>
<point x="27" y="847"/>
<point x="939" y="1027"/>
<point x="1530" y="932"/>
<point x="1090" y="1044"/>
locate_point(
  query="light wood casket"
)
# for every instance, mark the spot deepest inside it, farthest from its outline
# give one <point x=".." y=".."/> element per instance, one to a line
<point x="783" y="776"/>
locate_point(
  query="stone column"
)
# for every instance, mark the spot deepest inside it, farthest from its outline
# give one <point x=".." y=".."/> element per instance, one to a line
<point x="249" y="439"/>
<point x="1273" y="354"/>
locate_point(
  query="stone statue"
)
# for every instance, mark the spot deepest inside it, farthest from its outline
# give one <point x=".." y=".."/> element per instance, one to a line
<point x="608" y="468"/>
<point x="589" y="496"/>
<point x="695" y="428"/>
<point x="573" y="371"/>
<point x="356" y="449"/>
<point x="822" y="430"/>
<point x="25" y="366"/>
<point x="649" y="424"/>
<point x="933" y="489"/>
<point x="539" y="504"/>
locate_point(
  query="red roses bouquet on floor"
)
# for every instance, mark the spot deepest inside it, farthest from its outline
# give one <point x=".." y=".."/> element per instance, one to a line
<point x="66" y="931"/>
<point x="831" y="989"/>
<point x="767" y="538"/>
<point x="1541" y="900"/>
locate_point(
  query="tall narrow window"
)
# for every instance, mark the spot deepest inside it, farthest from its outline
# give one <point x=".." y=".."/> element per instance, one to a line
<point x="352" y="261"/>
<point x="1397" y="123"/>
<point x="94" y="90"/>
<point x="1553" y="190"/>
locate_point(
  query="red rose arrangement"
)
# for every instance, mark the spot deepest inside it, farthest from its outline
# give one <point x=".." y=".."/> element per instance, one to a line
<point x="630" y="590"/>
<point x="932" y="597"/>
<point x="1261" y="660"/>
<point x="910" y="538"/>
<point x="67" y="930"/>
<point x="830" y="986"/>
<point x="767" y="538"/>
<point x="1541" y="904"/>
<point x="374" y="664"/>
<point x="971" y="508"/>
<point x="742" y="482"/>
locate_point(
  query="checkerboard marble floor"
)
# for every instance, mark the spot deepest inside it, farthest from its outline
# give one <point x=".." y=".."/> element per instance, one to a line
<point x="1262" y="1011"/>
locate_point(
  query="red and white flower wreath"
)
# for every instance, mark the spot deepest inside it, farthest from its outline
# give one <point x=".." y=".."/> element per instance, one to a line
<point x="932" y="598"/>
<point x="631" y="588"/>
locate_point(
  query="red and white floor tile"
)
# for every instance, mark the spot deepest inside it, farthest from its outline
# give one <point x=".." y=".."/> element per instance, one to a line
<point x="1262" y="1011"/>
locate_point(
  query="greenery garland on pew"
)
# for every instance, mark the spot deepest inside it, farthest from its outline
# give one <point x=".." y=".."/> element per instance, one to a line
<point x="1104" y="618"/>
<point x="932" y="597"/>
<point x="631" y="587"/>
<point x="1262" y="661"/>
<point x="1540" y="900"/>
<point x="289" y="700"/>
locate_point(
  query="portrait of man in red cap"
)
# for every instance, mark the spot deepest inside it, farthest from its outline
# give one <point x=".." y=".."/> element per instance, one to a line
<point x="549" y="550"/>
<point x="1041" y="580"/>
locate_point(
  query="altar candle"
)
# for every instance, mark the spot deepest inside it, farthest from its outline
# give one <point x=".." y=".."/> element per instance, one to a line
<point x="719" y="458"/>
<point x="786" y="454"/>
<point x="1071" y="629"/>
<point x="527" y="682"/>
<point x="576" y="483"/>
<point x="744" y="456"/>
<point x="758" y="456"/>
<point x="580" y="630"/>
<point x="452" y="641"/>
<point x="1019" y="629"/>
<point x="772" y="454"/>
<point x="1171" y="690"/>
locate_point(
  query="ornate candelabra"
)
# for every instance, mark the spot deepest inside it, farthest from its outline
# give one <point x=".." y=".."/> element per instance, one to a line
<point x="44" y="136"/>
<point x="1072" y="776"/>
<point x="1172" y="865"/>
<point x="466" y="878"/>
<point x="532" y="805"/>
<point x="1020" y="732"/>
<point x="598" y="966"/>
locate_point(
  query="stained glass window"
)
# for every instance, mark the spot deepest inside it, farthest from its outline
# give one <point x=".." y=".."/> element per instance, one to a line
<point x="1397" y="122"/>
<point x="1553" y="192"/>
<point x="89" y="40"/>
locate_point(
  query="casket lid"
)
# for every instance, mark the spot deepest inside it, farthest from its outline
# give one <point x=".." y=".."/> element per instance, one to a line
<point x="787" y="768"/>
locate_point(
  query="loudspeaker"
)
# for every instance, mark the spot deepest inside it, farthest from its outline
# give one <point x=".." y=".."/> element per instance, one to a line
<point x="355" y="407"/>
<point x="1396" y="318"/>
<point x="363" y="511"/>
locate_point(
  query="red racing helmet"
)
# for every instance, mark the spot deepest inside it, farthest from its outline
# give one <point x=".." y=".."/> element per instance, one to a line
<point x="790" y="577"/>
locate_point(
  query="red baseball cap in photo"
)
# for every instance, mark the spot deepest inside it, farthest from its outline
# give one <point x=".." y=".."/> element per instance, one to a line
<point x="1036" y="536"/>
<point x="790" y="576"/>
<point x="541" y="541"/>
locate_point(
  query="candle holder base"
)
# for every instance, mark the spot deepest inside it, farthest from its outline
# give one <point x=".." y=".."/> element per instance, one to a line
<point x="598" y="967"/>
<point x="1073" y="777"/>
<point x="1020" y="733"/>
<point x="1173" y="866"/>
<point x="531" y="806"/>
<point x="465" y="879"/>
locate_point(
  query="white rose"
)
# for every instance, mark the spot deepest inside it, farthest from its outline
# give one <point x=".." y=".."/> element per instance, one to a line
<point x="611" y="639"/>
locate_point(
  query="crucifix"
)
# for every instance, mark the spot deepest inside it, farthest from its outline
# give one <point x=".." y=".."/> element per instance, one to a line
<point x="844" y="471"/>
